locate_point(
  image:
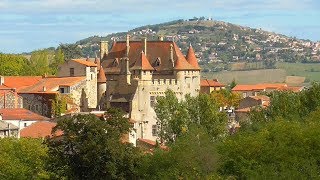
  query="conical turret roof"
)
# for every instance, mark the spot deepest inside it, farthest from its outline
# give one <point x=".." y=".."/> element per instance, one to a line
<point x="101" y="76"/>
<point x="191" y="58"/>
<point x="142" y="63"/>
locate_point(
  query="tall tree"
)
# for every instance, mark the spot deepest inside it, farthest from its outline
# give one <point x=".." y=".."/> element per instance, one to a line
<point x="91" y="148"/>
<point x="71" y="51"/>
<point x="57" y="61"/>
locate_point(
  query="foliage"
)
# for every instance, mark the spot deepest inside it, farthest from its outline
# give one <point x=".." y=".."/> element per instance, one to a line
<point x="59" y="105"/>
<point x="175" y="117"/>
<point x="57" y="61"/>
<point x="22" y="159"/>
<point x="192" y="156"/>
<point x="91" y="148"/>
<point x="277" y="150"/>
<point x="13" y="65"/>
<point x="70" y="51"/>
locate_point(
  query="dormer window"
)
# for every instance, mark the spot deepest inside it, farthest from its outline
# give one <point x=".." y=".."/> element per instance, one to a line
<point x="158" y="62"/>
<point x="115" y="62"/>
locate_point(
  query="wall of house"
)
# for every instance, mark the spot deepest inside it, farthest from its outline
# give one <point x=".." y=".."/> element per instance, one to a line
<point x="5" y="133"/>
<point x="20" y="123"/>
<point x="64" y="69"/>
<point x="38" y="103"/>
<point x="11" y="100"/>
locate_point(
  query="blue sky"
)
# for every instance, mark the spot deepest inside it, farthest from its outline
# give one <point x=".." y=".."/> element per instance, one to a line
<point x="27" y="25"/>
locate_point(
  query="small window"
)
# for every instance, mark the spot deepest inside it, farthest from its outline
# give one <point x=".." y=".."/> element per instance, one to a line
<point x="144" y="72"/>
<point x="91" y="76"/>
<point x="158" y="61"/>
<point x="154" y="130"/>
<point x="244" y="94"/>
<point x="71" y="72"/>
<point x="152" y="101"/>
<point x="25" y="124"/>
<point x="37" y="107"/>
<point x="62" y="90"/>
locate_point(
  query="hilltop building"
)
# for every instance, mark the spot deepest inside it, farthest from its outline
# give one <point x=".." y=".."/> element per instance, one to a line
<point x="139" y="71"/>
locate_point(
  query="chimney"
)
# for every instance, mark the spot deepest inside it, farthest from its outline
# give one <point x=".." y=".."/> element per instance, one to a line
<point x="1" y="80"/>
<point x="104" y="49"/>
<point x="171" y="52"/>
<point x="128" y="45"/>
<point x="145" y="45"/>
<point x="1" y="117"/>
<point x="87" y="58"/>
<point x="44" y="89"/>
<point x="160" y="38"/>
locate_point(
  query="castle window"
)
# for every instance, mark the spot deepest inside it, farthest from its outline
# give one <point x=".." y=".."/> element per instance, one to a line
<point x="71" y="72"/>
<point x="154" y="130"/>
<point x="152" y="101"/>
<point x="25" y="124"/>
<point x="144" y="72"/>
<point x="91" y="76"/>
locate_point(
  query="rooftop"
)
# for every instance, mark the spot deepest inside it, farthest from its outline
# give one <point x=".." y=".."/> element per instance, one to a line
<point x="21" y="114"/>
<point x="40" y="130"/>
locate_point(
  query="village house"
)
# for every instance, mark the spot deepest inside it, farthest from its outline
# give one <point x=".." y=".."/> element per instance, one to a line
<point x="20" y="117"/>
<point x="41" y="129"/>
<point x="8" y="129"/>
<point x="255" y="89"/>
<point x="139" y="71"/>
<point x="209" y="85"/>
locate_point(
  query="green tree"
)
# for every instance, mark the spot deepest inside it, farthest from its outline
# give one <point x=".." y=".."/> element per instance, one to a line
<point x="59" y="105"/>
<point x="22" y="159"/>
<point x="70" y="51"/>
<point x="57" y="61"/>
<point x="91" y="148"/>
<point x="13" y="65"/>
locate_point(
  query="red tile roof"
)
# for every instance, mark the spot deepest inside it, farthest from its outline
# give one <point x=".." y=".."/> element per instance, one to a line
<point x="191" y="58"/>
<point x="21" y="114"/>
<point x="211" y="83"/>
<point x="101" y="76"/>
<point x="52" y="84"/>
<point x="142" y="63"/>
<point x="251" y="87"/>
<point x="85" y="62"/>
<point x="155" y="50"/>
<point x="40" y="130"/>
<point x="20" y="82"/>
<point x="180" y="62"/>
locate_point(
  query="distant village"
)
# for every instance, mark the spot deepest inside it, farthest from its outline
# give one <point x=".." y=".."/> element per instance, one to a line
<point x="130" y="75"/>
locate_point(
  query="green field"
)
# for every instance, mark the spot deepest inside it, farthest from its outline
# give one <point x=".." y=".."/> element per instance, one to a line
<point x="310" y="71"/>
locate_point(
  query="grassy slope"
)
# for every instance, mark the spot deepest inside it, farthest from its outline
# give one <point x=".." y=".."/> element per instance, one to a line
<point x="310" y="71"/>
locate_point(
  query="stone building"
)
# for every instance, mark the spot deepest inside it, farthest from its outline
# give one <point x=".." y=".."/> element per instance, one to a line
<point x="139" y="71"/>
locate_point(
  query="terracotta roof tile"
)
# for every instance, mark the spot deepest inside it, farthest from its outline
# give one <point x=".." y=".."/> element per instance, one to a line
<point x="211" y="83"/>
<point x="191" y="58"/>
<point x="21" y="114"/>
<point x="40" y="130"/>
<point x="142" y="63"/>
<point x="251" y="87"/>
<point x="85" y="62"/>
<point x="52" y="84"/>
<point x="155" y="50"/>
<point x="20" y="82"/>
<point x="180" y="62"/>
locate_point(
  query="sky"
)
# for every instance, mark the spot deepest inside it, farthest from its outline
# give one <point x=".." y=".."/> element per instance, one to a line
<point x="27" y="25"/>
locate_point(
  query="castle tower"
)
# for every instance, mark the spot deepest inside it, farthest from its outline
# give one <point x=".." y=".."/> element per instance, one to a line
<point x="191" y="58"/>
<point x="102" y="85"/>
<point x="103" y="49"/>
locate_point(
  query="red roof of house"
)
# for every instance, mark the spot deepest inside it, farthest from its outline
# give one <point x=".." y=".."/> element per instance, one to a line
<point x="101" y="76"/>
<point x="40" y="130"/>
<point x="211" y="83"/>
<point x="52" y="84"/>
<point x="251" y="87"/>
<point x="20" y="82"/>
<point x="85" y="62"/>
<point x="142" y="63"/>
<point x="21" y="114"/>
<point x="155" y="50"/>
<point x="191" y="58"/>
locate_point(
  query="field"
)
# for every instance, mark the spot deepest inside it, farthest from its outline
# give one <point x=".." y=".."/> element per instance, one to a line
<point x="310" y="71"/>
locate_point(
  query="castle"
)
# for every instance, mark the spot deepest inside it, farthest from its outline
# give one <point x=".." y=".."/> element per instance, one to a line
<point x="129" y="76"/>
<point x="138" y="71"/>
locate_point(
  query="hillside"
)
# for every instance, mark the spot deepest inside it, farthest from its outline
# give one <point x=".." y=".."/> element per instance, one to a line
<point x="220" y="42"/>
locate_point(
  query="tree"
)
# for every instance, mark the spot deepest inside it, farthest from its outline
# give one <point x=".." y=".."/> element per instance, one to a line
<point x="70" y="51"/>
<point x="13" y="65"/>
<point x="192" y="156"/>
<point x="59" y="105"/>
<point x="57" y="61"/>
<point x="22" y="159"/>
<point x="174" y="117"/>
<point x="276" y="150"/>
<point x="91" y="148"/>
<point x="232" y="84"/>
